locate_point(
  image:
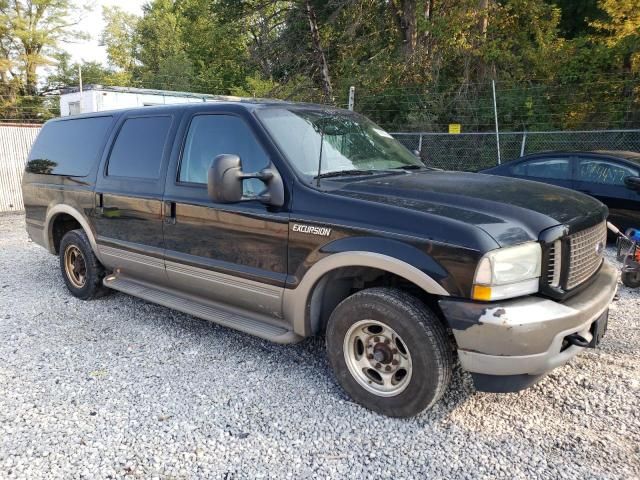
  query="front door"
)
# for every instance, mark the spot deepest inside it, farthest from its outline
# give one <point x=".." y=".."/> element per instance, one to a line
<point x="129" y="188"/>
<point x="603" y="179"/>
<point x="230" y="253"/>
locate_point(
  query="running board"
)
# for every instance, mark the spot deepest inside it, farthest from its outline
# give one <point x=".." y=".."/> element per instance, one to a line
<point x="225" y="316"/>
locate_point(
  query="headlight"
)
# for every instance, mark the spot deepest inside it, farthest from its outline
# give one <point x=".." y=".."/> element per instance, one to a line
<point x="508" y="272"/>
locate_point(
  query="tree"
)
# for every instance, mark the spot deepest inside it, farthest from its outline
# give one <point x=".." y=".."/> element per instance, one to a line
<point x="32" y="31"/>
<point x="621" y="33"/>
<point x="320" y="59"/>
<point x="119" y="37"/>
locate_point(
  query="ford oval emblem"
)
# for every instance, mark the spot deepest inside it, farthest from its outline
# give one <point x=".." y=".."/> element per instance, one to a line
<point x="599" y="248"/>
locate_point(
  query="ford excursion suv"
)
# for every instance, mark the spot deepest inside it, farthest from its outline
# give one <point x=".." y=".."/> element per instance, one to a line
<point x="287" y="220"/>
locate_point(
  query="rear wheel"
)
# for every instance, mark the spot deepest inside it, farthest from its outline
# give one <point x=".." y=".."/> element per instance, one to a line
<point x="81" y="270"/>
<point x="631" y="279"/>
<point x="389" y="351"/>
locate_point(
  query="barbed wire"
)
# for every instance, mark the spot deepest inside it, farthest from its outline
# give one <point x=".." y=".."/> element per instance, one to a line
<point x="611" y="102"/>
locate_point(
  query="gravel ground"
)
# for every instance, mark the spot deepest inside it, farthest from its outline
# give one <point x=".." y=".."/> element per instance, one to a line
<point x="119" y="387"/>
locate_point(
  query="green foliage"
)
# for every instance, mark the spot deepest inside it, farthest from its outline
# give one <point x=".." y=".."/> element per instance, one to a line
<point x="32" y="30"/>
<point x="119" y="37"/>
<point x="66" y="74"/>
<point x="416" y="64"/>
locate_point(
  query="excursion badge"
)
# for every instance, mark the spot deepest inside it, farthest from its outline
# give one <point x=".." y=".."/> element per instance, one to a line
<point x="311" y="229"/>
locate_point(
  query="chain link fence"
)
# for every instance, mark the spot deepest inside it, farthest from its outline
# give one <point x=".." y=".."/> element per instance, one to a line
<point x="476" y="151"/>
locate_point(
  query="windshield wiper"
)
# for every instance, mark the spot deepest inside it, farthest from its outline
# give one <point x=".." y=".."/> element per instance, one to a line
<point x="343" y="173"/>
<point x="410" y="167"/>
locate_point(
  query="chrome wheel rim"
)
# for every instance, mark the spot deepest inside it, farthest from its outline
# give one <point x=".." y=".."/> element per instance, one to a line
<point x="75" y="266"/>
<point x="377" y="358"/>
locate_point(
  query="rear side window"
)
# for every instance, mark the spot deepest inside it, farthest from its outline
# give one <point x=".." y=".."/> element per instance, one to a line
<point x="68" y="147"/>
<point x="138" y="149"/>
<point x="553" y="168"/>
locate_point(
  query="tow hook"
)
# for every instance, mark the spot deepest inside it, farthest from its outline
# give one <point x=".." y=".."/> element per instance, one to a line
<point x="577" y="340"/>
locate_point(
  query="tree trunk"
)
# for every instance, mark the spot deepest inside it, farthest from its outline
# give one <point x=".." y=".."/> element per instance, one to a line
<point x="483" y="24"/>
<point x="628" y="92"/>
<point x="321" y="60"/>
<point x="405" y="15"/>
<point x="483" y="13"/>
<point x="428" y="12"/>
<point x="31" y="76"/>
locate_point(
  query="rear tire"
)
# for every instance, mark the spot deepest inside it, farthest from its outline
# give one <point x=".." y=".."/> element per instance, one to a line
<point x="81" y="270"/>
<point x="631" y="279"/>
<point x="389" y="351"/>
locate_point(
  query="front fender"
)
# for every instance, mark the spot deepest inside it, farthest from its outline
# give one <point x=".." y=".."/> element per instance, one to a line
<point x="391" y="256"/>
<point x="391" y="248"/>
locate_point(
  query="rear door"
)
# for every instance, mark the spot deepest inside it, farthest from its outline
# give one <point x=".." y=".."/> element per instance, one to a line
<point x="234" y="254"/>
<point x="603" y="178"/>
<point x="129" y="189"/>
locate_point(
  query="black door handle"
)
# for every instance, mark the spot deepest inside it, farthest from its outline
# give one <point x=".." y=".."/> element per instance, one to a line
<point x="99" y="204"/>
<point x="170" y="213"/>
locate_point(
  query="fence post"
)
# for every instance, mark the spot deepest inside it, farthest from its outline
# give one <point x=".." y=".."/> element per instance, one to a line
<point x="80" y="84"/>
<point x="352" y="97"/>
<point x="420" y="143"/>
<point x="524" y="142"/>
<point x="495" y="113"/>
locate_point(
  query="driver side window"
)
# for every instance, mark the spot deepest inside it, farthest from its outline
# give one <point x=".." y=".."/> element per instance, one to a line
<point x="213" y="135"/>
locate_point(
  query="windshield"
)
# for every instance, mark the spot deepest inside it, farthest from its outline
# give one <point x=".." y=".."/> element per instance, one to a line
<point x="350" y="142"/>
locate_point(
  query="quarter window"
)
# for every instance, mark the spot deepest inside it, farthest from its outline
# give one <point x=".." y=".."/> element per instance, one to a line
<point x="69" y="147"/>
<point x="553" y="168"/>
<point x="139" y="147"/>
<point x="213" y="135"/>
<point x="604" y="172"/>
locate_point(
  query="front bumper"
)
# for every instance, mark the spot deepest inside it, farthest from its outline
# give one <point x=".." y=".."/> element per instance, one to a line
<point x="523" y="338"/>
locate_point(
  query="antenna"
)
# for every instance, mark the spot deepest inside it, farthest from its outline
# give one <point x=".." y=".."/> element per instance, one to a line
<point x="320" y="156"/>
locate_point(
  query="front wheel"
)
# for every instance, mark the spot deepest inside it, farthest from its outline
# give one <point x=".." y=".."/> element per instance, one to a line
<point x="631" y="279"/>
<point x="389" y="351"/>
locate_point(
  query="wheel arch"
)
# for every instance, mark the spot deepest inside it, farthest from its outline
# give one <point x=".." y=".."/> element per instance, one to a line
<point x="61" y="211"/>
<point x="301" y="305"/>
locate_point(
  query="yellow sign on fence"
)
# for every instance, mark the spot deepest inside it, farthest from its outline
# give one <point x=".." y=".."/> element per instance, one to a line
<point x="455" y="128"/>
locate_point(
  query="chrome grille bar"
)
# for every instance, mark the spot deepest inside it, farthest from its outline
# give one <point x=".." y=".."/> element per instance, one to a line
<point x="555" y="264"/>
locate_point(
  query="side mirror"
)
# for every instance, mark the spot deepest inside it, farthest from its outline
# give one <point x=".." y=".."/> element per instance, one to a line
<point x="225" y="177"/>
<point x="632" y="183"/>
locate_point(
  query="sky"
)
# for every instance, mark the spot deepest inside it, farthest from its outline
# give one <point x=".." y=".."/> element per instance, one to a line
<point x="89" y="50"/>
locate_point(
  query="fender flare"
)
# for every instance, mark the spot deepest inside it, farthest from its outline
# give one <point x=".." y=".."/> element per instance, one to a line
<point x="296" y="301"/>
<point x="56" y="210"/>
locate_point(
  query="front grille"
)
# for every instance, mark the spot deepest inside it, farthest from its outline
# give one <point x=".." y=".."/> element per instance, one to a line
<point x="585" y="254"/>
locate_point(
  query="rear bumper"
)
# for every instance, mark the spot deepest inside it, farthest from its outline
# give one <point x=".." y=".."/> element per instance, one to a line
<point x="525" y="336"/>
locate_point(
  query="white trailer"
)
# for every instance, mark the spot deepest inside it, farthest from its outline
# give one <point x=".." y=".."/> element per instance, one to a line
<point x="98" y="98"/>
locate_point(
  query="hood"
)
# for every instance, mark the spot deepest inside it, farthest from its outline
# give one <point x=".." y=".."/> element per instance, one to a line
<point x="510" y="210"/>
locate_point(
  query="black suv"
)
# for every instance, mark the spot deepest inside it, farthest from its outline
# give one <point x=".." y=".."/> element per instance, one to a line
<point x="290" y="220"/>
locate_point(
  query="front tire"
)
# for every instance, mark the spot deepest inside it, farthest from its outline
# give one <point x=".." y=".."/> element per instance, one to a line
<point x="81" y="270"/>
<point x="389" y="351"/>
